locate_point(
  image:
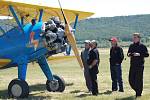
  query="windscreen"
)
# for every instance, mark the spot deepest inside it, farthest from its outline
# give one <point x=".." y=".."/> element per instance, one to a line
<point x="6" y="25"/>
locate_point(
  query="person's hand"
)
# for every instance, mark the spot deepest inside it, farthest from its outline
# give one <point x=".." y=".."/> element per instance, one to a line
<point x="83" y="69"/>
<point x="136" y="54"/>
<point x="90" y="67"/>
<point x="117" y="64"/>
<point x="129" y="54"/>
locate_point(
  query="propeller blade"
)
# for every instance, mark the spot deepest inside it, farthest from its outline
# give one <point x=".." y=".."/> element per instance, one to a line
<point x="71" y="38"/>
<point x="72" y="41"/>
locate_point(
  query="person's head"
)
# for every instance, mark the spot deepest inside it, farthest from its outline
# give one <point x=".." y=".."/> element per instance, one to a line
<point x="93" y="44"/>
<point x="136" y="37"/>
<point x="87" y="44"/>
<point x="114" y="41"/>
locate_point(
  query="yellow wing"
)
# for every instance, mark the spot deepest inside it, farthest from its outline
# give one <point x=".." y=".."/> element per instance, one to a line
<point x="30" y="10"/>
<point x="54" y="58"/>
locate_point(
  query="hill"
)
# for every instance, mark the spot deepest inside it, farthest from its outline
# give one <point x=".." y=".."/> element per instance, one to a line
<point x="121" y="26"/>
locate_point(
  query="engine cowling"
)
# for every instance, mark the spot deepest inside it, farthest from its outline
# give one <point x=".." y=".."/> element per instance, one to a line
<point x="54" y="37"/>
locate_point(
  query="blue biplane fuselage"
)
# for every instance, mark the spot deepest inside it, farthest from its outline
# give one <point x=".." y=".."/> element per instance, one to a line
<point x="16" y="44"/>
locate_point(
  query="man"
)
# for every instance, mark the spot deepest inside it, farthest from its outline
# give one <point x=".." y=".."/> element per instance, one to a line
<point x="93" y="63"/>
<point x="84" y="57"/>
<point x="137" y="51"/>
<point x="116" y="57"/>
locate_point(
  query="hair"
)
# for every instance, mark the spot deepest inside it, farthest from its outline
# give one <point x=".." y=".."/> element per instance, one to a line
<point x="96" y="44"/>
<point x="137" y="34"/>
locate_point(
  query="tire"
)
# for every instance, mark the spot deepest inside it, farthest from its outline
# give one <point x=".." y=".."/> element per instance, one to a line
<point x="60" y="87"/>
<point x="18" y="89"/>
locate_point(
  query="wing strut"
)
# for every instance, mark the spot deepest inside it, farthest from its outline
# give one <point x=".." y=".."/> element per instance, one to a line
<point x="22" y="21"/>
<point x="16" y="17"/>
<point x="41" y="15"/>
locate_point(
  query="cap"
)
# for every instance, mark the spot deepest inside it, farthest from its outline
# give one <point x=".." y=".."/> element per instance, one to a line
<point x="93" y="41"/>
<point x="137" y="34"/>
<point x="114" y="39"/>
<point x="87" y="41"/>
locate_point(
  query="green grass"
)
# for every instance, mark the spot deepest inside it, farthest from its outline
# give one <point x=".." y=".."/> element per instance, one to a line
<point x="75" y="84"/>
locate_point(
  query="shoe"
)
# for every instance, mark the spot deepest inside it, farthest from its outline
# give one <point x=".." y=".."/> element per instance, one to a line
<point x="114" y="89"/>
<point x="94" y="94"/>
<point x="121" y="90"/>
<point x="137" y="96"/>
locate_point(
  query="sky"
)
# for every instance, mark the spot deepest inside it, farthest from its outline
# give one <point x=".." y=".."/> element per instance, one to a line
<point x="101" y="8"/>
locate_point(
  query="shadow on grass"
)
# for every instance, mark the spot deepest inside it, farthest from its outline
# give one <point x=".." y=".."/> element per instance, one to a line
<point x="128" y="98"/>
<point x="38" y="87"/>
<point x="3" y="94"/>
<point x="82" y="94"/>
<point x="76" y="91"/>
<point x="69" y="84"/>
<point x="108" y="92"/>
<point x="33" y="97"/>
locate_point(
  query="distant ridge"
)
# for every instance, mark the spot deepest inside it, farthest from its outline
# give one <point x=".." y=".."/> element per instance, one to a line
<point x="119" y="26"/>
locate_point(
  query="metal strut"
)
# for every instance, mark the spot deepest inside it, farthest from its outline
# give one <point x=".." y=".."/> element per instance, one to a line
<point x="41" y="15"/>
<point x="16" y="17"/>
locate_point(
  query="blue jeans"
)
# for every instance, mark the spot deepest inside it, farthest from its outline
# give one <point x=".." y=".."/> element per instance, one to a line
<point x="116" y="77"/>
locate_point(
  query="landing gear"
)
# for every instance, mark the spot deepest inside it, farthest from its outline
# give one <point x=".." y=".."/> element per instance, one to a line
<point x="56" y="85"/>
<point x="18" y="88"/>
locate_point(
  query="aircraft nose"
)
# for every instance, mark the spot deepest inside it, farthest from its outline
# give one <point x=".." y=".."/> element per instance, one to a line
<point x="54" y="36"/>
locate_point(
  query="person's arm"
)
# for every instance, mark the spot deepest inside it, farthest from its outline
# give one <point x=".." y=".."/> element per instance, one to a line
<point x="94" y="60"/>
<point x="144" y="52"/>
<point x="121" y="56"/>
<point x="129" y="54"/>
<point x="98" y="57"/>
<point x="82" y="56"/>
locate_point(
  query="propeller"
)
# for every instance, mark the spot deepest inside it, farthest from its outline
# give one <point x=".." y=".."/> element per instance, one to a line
<point x="70" y="37"/>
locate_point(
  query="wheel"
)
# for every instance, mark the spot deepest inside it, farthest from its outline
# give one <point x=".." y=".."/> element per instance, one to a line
<point x="18" y="89"/>
<point x="56" y="85"/>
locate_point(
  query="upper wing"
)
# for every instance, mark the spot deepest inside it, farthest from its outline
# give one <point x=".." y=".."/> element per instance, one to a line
<point x="30" y="10"/>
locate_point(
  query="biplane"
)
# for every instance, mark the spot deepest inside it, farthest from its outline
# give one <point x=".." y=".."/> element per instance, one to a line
<point x="38" y="34"/>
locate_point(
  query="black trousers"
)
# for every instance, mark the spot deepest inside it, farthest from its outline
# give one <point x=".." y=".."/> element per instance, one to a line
<point x="87" y="79"/>
<point x="136" y="79"/>
<point x="93" y="76"/>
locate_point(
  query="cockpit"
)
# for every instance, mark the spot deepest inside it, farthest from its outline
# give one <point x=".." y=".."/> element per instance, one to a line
<point x="6" y="24"/>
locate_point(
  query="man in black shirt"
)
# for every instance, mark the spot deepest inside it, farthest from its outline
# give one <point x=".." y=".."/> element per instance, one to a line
<point x="93" y="62"/>
<point x="137" y="51"/>
<point x="116" y="57"/>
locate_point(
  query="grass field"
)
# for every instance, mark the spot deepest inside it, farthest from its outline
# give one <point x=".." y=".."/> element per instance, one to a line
<point x="75" y="84"/>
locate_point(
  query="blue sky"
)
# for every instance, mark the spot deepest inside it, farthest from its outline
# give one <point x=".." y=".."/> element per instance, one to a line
<point x="101" y="8"/>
